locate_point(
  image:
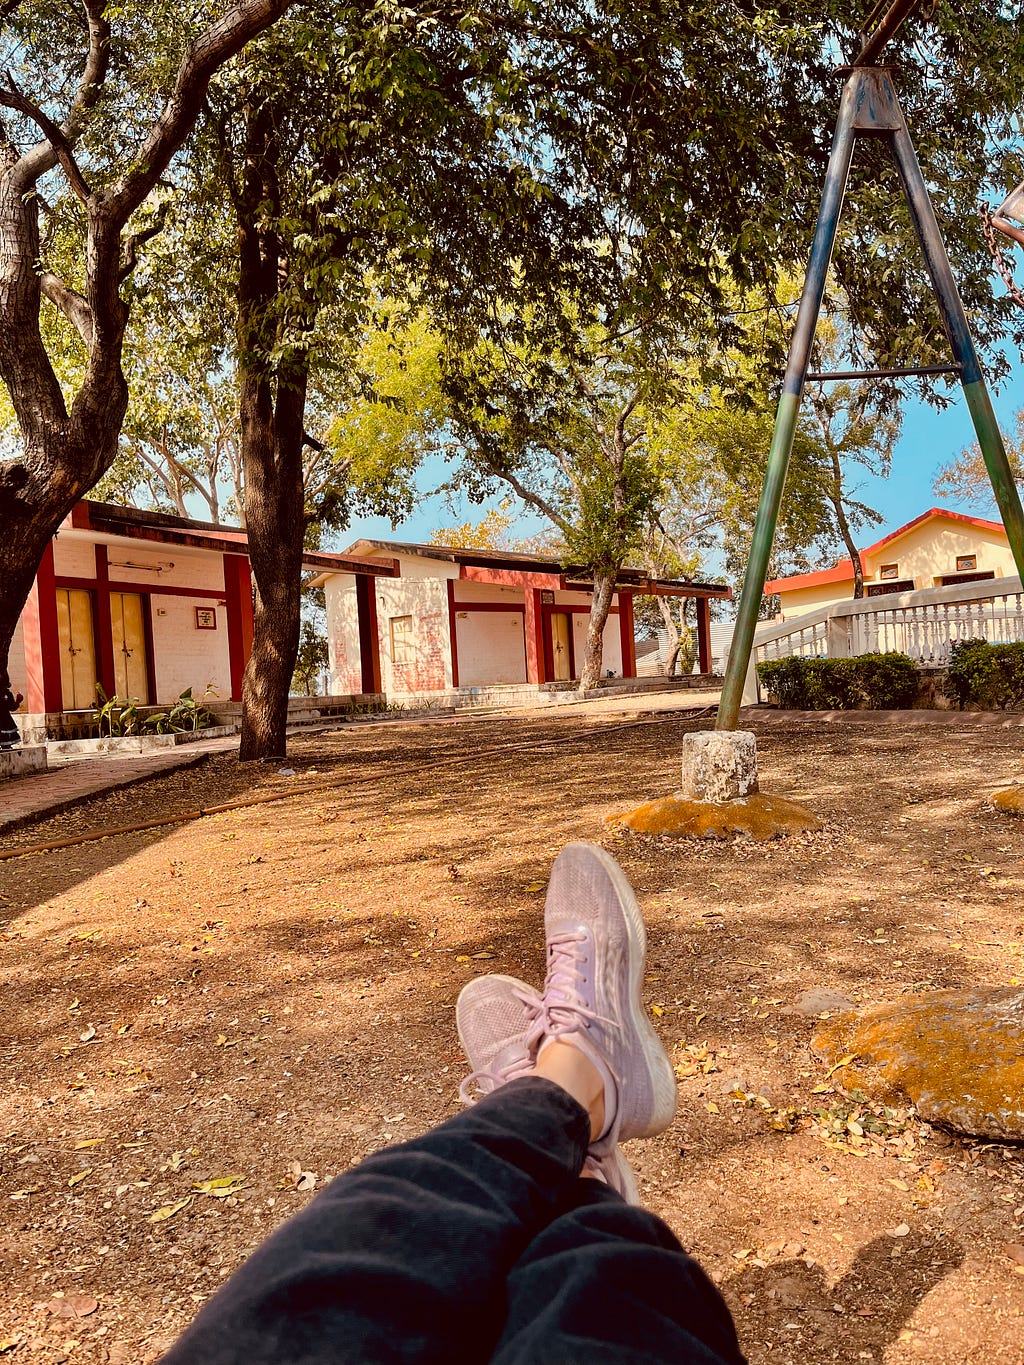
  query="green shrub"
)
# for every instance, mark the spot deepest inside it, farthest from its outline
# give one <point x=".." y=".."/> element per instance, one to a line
<point x="889" y="681"/>
<point x="879" y="682"/>
<point x="784" y="680"/>
<point x="989" y="676"/>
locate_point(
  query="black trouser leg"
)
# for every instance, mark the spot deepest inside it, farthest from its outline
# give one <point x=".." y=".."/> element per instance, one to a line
<point x="607" y="1282"/>
<point x="404" y="1258"/>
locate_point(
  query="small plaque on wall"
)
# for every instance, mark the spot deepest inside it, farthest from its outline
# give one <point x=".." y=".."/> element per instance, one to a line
<point x="206" y="618"/>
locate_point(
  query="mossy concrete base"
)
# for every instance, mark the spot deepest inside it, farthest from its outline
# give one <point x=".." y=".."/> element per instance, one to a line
<point x="958" y="1055"/>
<point x="1008" y="799"/>
<point x="758" y="816"/>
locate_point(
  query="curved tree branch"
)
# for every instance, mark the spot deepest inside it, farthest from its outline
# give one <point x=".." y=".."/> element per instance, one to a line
<point x="12" y="98"/>
<point x="221" y="41"/>
<point x="70" y="303"/>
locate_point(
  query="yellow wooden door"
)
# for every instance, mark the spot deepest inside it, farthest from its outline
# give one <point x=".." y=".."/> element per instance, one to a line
<point x="131" y="677"/>
<point x="561" y="657"/>
<point x="77" y="648"/>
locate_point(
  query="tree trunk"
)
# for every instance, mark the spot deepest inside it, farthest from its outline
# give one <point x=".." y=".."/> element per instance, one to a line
<point x="600" y="605"/>
<point x="674" y="638"/>
<point x="271" y="410"/>
<point x="276" y="527"/>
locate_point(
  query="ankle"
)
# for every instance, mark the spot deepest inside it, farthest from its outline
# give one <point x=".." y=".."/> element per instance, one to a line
<point x="567" y="1066"/>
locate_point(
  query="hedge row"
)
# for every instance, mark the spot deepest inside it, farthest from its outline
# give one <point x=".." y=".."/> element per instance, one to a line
<point x="878" y="682"/>
<point x="989" y="676"/>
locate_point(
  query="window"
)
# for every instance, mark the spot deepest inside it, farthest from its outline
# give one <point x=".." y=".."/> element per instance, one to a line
<point x="882" y="589"/>
<point x="401" y="640"/>
<point x="965" y="562"/>
<point x="889" y="571"/>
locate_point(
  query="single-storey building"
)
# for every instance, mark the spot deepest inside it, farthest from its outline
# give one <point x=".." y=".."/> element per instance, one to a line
<point x="145" y="605"/>
<point x="936" y="548"/>
<point x="457" y="619"/>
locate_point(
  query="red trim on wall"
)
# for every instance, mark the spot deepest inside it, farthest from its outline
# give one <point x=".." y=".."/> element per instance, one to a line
<point x="512" y="578"/>
<point x="42" y="641"/>
<point x="120" y="585"/>
<point x="704" y="635"/>
<point x="104" y="625"/>
<point x="452" y="632"/>
<point x="627" y="643"/>
<point x="533" y="630"/>
<point x="369" y="633"/>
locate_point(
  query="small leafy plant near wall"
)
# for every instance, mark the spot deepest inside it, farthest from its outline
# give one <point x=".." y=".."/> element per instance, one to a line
<point x="877" y="682"/>
<point x="119" y="716"/>
<point x="984" y="675"/>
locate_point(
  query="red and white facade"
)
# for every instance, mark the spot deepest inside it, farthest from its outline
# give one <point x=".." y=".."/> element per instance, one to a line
<point x="145" y="605"/>
<point x="454" y="620"/>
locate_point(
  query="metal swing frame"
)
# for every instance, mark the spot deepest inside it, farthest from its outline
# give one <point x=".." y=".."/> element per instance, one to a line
<point x="868" y="108"/>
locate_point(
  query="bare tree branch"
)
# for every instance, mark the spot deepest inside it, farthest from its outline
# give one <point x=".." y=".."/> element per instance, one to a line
<point x="45" y="155"/>
<point x="12" y="98"/>
<point x="70" y="303"/>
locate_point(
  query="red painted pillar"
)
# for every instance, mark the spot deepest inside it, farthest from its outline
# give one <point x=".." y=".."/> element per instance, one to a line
<point x="369" y="636"/>
<point x="42" y="641"/>
<point x="533" y="625"/>
<point x="238" y="597"/>
<point x="627" y="641"/>
<point x="104" y="626"/>
<point x="453" y="632"/>
<point x="704" y="634"/>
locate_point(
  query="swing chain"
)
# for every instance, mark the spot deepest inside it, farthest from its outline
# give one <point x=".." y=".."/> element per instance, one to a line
<point x="996" y="251"/>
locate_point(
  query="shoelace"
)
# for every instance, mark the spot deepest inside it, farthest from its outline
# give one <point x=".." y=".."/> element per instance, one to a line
<point x="561" y="1009"/>
<point x="549" y="1017"/>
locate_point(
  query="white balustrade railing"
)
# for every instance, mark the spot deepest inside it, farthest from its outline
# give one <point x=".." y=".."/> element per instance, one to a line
<point x="923" y="624"/>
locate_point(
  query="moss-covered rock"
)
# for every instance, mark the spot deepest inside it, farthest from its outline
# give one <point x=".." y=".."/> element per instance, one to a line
<point x="958" y="1055"/>
<point x="758" y="816"/>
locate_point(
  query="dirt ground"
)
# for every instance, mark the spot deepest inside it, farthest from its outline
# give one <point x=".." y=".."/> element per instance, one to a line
<point x="204" y="1023"/>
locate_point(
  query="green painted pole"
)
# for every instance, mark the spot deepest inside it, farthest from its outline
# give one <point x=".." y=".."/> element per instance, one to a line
<point x="972" y="377"/>
<point x="789" y="408"/>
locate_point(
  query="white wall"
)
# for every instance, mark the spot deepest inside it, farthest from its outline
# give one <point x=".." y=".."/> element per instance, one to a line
<point x="186" y="656"/>
<point x="73" y="558"/>
<point x="611" y="643"/>
<point x="491" y="647"/>
<point x="426" y="601"/>
<point x="16" y="661"/>
<point x="345" y="664"/>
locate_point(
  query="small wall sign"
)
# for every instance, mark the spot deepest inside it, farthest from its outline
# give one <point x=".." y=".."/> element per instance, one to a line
<point x="206" y="618"/>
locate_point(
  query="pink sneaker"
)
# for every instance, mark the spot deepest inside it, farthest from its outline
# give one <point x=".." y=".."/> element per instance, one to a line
<point x="494" y="1016"/>
<point x="614" y="1170"/>
<point x="591" y="998"/>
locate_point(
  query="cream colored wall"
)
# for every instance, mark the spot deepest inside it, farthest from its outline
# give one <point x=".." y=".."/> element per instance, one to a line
<point x="16" y="660"/>
<point x="925" y="554"/>
<point x="798" y="601"/>
<point x="930" y="550"/>
<point x="344" y="660"/>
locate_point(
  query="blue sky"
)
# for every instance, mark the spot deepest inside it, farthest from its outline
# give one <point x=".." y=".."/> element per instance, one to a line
<point x="930" y="437"/>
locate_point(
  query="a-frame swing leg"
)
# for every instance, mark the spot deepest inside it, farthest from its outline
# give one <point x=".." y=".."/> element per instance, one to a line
<point x="868" y="107"/>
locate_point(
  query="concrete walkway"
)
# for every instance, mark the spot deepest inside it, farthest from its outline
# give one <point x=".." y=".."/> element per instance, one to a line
<point x="28" y="798"/>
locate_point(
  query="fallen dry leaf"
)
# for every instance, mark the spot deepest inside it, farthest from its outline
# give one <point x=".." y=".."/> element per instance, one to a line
<point x="169" y="1210"/>
<point x="77" y="1179"/>
<point x="1015" y="1252"/>
<point x="72" y="1305"/>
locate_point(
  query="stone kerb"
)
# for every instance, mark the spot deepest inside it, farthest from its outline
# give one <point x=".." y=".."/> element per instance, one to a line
<point x="27" y="758"/>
